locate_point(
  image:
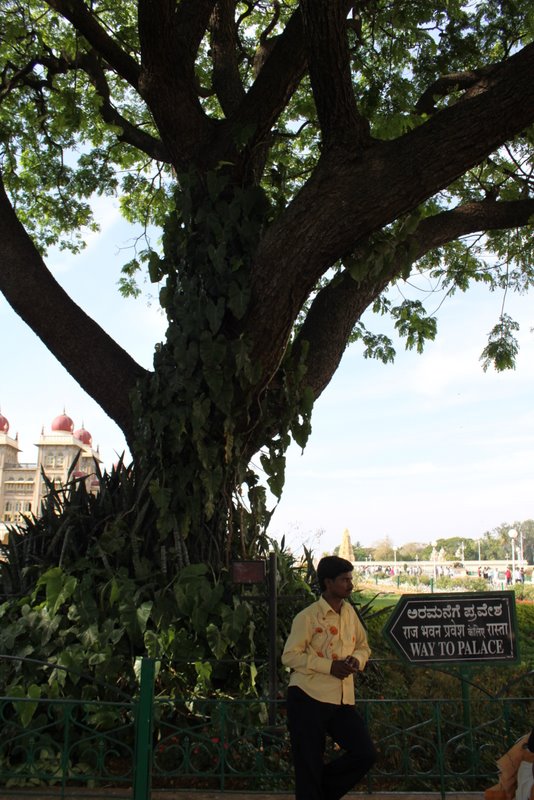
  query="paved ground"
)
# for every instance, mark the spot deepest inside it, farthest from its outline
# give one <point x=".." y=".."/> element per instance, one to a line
<point x="73" y="794"/>
<point x="351" y="796"/>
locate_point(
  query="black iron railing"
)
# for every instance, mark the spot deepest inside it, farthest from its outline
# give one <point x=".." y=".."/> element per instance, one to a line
<point x="139" y="743"/>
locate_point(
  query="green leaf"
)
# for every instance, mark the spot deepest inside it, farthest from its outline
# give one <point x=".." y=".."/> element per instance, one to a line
<point x="203" y="670"/>
<point x="215" y="313"/>
<point x="502" y="347"/>
<point x="59" y="587"/>
<point x="216" y="641"/>
<point x="238" y="299"/>
<point x="156" y="269"/>
<point x="25" y="710"/>
<point x="143" y="614"/>
<point x="307" y="400"/>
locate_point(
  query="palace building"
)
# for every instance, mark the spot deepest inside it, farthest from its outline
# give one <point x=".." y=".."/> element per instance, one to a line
<point x="22" y="486"/>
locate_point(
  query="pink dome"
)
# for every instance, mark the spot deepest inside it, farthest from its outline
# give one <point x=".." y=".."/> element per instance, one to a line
<point x="63" y="423"/>
<point x="4" y="424"/>
<point x="84" y="436"/>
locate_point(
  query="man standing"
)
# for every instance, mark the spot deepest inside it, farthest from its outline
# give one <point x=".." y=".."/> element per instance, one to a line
<point x="326" y="647"/>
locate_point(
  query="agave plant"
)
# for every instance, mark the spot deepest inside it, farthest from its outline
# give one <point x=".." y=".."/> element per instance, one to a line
<point x="116" y="525"/>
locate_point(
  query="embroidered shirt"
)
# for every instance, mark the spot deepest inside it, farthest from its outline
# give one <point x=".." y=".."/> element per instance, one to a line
<point x="319" y="636"/>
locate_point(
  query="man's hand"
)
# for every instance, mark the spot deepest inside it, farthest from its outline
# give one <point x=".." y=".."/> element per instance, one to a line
<point x="342" y="669"/>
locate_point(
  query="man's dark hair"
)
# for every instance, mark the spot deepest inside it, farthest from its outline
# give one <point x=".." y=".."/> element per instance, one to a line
<point x="331" y="567"/>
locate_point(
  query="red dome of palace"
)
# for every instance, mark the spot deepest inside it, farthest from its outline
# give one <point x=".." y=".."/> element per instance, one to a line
<point x="63" y="423"/>
<point x="4" y="424"/>
<point x="84" y="436"/>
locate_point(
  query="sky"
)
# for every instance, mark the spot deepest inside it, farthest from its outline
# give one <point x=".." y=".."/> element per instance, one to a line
<point x="428" y="447"/>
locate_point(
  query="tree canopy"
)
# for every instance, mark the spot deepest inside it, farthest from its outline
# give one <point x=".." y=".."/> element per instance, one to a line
<point x="300" y="157"/>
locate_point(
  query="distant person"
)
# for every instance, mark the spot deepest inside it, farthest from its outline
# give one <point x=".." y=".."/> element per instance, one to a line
<point x="326" y="647"/>
<point x="508" y="576"/>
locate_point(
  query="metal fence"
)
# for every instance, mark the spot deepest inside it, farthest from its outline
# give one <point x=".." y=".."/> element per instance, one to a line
<point x="58" y="745"/>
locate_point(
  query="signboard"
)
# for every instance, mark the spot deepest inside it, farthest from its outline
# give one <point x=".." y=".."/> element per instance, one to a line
<point x="247" y="571"/>
<point x="468" y="627"/>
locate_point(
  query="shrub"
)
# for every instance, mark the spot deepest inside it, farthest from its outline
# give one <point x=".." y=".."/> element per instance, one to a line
<point x="86" y="589"/>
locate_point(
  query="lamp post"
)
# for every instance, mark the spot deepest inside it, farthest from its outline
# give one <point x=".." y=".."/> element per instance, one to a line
<point x="521" y="556"/>
<point x="512" y="533"/>
<point x="434" y="557"/>
<point x="395" y="559"/>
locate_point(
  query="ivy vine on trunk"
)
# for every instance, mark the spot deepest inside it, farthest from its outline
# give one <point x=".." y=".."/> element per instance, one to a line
<point x="204" y="412"/>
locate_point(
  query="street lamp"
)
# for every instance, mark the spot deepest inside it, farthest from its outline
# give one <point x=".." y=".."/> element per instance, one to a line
<point x="512" y="533"/>
<point x="434" y="557"/>
<point x="395" y="560"/>
<point x="521" y="545"/>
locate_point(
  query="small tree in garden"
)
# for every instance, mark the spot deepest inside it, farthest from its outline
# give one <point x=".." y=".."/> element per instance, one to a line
<point x="300" y="158"/>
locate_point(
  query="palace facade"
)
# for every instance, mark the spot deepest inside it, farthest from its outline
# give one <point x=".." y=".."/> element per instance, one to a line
<point x="22" y="486"/>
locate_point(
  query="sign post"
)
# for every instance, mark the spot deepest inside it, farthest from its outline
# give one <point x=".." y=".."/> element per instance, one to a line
<point x="464" y="628"/>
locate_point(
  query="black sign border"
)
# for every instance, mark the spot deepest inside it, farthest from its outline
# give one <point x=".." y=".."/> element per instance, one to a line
<point x="450" y="597"/>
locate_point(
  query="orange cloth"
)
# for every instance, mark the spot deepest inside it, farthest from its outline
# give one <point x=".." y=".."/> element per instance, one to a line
<point x="508" y="765"/>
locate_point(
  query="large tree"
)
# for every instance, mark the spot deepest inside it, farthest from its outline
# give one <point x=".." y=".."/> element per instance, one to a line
<point x="300" y="157"/>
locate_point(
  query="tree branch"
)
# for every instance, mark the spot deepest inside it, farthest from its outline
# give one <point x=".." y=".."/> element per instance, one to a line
<point x="277" y="80"/>
<point x="170" y="34"/>
<point x="87" y="24"/>
<point x="20" y="77"/>
<point x="450" y="83"/>
<point x="40" y="301"/>
<point x="226" y="79"/>
<point x="131" y="134"/>
<point x="347" y="199"/>
<point x="90" y="64"/>
<point x="325" y="30"/>
<point x="337" y="308"/>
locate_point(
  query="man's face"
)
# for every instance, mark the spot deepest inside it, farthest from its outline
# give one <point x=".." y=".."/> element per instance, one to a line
<point x="341" y="586"/>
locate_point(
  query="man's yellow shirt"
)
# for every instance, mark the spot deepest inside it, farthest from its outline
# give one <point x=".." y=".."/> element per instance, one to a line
<point x="319" y="636"/>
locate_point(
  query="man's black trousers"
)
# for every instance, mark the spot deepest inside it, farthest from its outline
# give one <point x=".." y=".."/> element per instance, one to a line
<point x="309" y="721"/>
